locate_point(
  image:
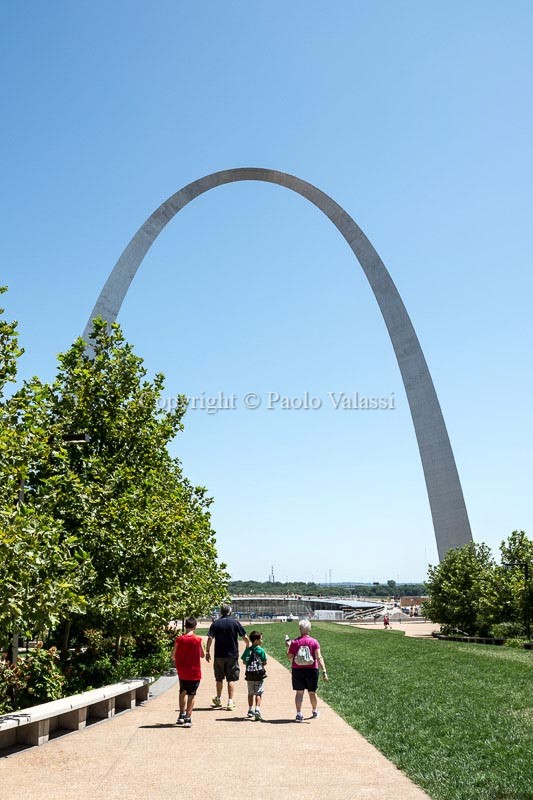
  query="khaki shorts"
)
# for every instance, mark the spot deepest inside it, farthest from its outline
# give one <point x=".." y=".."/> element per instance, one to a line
<point x="255" y="687"/>
<point x="226" y="668"/>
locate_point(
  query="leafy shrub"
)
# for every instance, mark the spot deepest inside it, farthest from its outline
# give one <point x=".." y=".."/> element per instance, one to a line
<point x="145" y="657"/>
<point x="514" y="643"/>
<point x="131" y="667"/>
<point x="161" y="641"/>
<point x="10" y="686"/>
<point x="507" y="630"/>
<point x="41" y="677"/>
<point x="96" y="661"/>
<point x="35" y="679"/>
<point x="449" y="630"/>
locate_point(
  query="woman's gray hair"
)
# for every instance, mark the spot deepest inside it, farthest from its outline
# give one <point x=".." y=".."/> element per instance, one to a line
<point x="305" y="626"/>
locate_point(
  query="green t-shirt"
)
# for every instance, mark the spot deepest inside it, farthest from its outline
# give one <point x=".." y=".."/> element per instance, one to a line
<point x="259" y="650"/>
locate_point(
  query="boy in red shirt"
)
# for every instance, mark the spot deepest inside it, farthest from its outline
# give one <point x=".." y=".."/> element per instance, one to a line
<point x="187" y="653"/>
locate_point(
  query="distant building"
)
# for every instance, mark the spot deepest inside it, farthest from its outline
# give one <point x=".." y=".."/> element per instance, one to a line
<point x="406" y="602"/>
<point x="276" y="606"/>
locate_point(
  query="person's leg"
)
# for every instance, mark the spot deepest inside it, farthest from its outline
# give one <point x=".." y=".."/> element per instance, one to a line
<point x="298" y="699"/>
<point x="183" y="695"/>
<point x="312" y="698"/>
<point x="250" y="688"/>
<point x="192" y="688"/>
<point x="190" y="703"/>
<point x="258" y="697"/>
<point x="232" y="675"/>
<point x="218" y="669"/>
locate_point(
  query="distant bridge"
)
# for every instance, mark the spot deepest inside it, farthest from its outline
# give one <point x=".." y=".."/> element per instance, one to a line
<point x="252" y="605"/>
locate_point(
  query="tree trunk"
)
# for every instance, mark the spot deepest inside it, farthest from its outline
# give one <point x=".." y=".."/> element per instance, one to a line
<point x="65" y="641"/>
<point x="13" y="652"/>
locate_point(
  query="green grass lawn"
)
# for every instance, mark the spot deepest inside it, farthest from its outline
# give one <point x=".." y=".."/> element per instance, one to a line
<point x="456" y="718"/>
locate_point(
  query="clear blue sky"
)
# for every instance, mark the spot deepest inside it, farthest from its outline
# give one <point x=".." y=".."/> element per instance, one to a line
<point x="417" y="118"/>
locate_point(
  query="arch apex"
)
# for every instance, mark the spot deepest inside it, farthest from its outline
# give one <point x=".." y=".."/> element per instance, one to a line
<point x="448" y="509"/>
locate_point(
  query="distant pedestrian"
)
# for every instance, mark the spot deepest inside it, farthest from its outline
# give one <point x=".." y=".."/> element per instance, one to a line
<point x="305" y="656"/>
<point x="255" y="660"/>
<point x="187" y="654"/>
<point x="386" y="623"/>
<point x="225" y="631"/>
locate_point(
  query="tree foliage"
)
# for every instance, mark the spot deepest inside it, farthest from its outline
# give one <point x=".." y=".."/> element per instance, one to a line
<point x="326" y="590"/>
<point x="39" y="564"/>
<point x="514" y="595"/>
<point x="107" y="534"/>
<point x="9" y="349"/>
<point x="144" y="528"/>
<point x="456" y="586"/>
<point x="468" y="590"/>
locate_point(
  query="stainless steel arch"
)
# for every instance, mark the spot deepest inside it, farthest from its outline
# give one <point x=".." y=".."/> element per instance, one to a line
<point x="450" y="518"/>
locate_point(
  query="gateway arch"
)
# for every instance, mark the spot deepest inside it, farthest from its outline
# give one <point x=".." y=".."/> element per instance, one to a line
<point x="448" y="510"/>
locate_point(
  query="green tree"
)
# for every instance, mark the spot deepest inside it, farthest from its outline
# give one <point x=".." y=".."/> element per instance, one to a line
<point x="461" y="589"/>
<point x="144" y="528"/>
<point x="514" y="597"/>
<point x="39" y="574"/>
<point x="40" y="567"/>
<point x="10" y="351"/>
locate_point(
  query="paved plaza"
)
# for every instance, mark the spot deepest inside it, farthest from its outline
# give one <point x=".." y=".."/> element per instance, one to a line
<point x="409" y="627"/>
<point x="142" y="754"/>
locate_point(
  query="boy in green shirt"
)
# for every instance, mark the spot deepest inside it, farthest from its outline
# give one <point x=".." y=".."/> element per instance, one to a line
<point x="255" y="659"/>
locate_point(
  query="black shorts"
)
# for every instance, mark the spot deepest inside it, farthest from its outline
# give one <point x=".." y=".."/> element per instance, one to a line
<point x="227" y="668"/>
<point x="305" y="678"/>
<point x="189" y="687"/>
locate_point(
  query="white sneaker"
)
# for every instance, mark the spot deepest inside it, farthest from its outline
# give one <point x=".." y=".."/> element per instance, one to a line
<point x="231" y="705"/>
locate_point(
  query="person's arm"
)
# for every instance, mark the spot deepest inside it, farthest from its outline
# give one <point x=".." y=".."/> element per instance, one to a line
<point x="202" y="649"/>
<point x="208" y="649"/>
<point x="322" y="663"/>
<point x="291" y="652"/>
<point x="242" y="633"/>
<point x="174" y="649"/>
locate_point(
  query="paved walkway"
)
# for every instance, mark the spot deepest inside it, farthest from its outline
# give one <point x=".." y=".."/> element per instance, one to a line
<point x="409" y="627"/>
<point x="142" y="754"/>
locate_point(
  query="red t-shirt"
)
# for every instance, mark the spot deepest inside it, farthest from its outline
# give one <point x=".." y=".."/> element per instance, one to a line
<point x="188" y="657"/>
